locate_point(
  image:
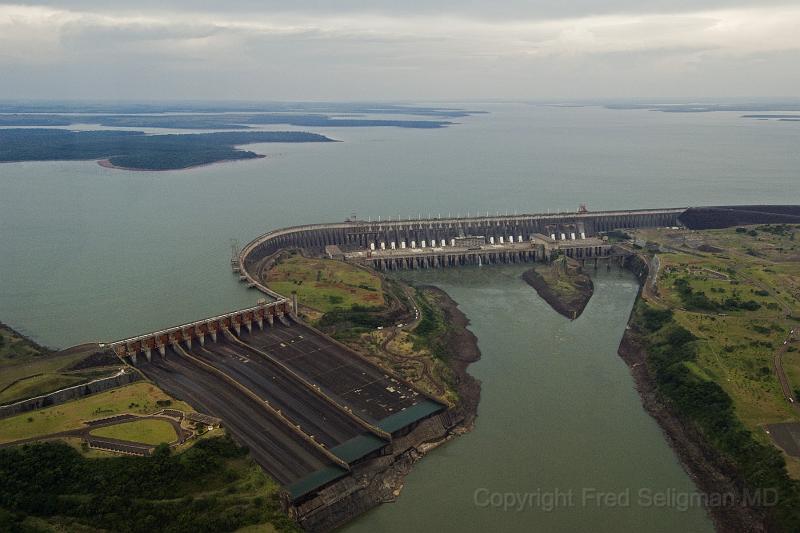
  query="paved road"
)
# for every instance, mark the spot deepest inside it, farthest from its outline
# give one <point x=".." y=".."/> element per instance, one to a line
<point x="123" y="445"/>
<point x="788" y="394"/>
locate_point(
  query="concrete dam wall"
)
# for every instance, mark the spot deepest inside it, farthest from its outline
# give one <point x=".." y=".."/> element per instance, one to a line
<point x="728" y="216"/>
<point x="361" y="234"/>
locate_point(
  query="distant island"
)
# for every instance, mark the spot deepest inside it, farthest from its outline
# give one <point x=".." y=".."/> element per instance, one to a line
<point x="222" y="121"/>
<point x="133" y="150"/>
<point x="700" y="107"/>
<point x="286" y="109"/>
<point x="779" y="118"/>
<point x="226" y="116"/>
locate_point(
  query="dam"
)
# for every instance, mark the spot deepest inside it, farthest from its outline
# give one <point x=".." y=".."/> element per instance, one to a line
<point x="443" y="232"/>
<point x="459" y="241"/>
<point x="313" y="412"/>
<point x="317" y="416"/>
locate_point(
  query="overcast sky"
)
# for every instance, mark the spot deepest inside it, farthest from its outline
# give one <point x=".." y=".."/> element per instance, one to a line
<point x="399" y="49"/>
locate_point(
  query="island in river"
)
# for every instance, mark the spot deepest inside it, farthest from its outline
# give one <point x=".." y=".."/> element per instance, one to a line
<point x="133" y="150"/>
<point x="563" y="284"/>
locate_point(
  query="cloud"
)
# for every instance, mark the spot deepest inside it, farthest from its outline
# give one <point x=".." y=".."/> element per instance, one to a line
<point x="373" y="42"/>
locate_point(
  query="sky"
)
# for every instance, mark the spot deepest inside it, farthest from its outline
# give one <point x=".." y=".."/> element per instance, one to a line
<point x="399" y="50"/>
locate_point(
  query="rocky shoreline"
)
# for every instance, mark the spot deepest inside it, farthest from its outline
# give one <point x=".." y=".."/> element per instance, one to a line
<point x="711" y="473"/>
<point x="463" y="346"/>
<point x="380" y="479"/>
<point x="571" y="308"/>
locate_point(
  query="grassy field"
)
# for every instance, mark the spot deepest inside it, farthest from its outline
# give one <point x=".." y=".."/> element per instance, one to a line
<point x="147" y="431"/>
<point x="324" y="284"/>
<point x="37" y="385"/>
<point x="14" y="348"/>
<point x="738" y="292"/>
<point x="28" y="370"/>
<point x="141" y="398"/>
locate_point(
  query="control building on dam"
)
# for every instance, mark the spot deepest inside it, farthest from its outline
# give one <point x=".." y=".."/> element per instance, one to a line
<point x="391" y="244"/>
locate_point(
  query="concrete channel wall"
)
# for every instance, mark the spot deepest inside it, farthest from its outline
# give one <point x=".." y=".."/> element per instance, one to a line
<point x="123" y="377"/>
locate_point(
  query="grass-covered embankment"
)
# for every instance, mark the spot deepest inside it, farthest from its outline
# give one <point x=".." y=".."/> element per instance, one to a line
<point x="712" y="327"/>
<point x="28" y="369"/>
<point x="147" y="431"/>
<point x="138" y="398"/>
<point x="672" y="356"/>
<point x="324" y="284"/>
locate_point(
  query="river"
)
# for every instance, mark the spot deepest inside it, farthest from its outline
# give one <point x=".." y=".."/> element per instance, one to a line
<point x="89" y="253"/>
<point x="559" y="419"/>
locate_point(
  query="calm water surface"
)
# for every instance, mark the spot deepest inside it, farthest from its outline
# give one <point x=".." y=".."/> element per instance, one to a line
<point x="88" y="253"/>
<point x="558" y="415"/>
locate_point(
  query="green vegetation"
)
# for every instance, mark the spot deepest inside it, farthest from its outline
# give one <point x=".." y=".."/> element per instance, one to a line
<point x="431" y="330"/>
<point x="37" y="385"/>
<point x="138" y="398"/>
<point x="28" y="370"/>
<point x="147" y="431"/>
<point x="617" y="236"/>
<point x="135" y="150"/>
<point x="349" y="323"/>
<point x="211" y="486"/>
<point x="672" y="353"/>
<point x="432" y="337"/>
<point x="699" y="301"/>
<point x="326" y="285"/>
<point x="740" y="307"/>
<point x="723" y="305"/>
<point x="15" y="348"/>
<point x="421" y="352"/>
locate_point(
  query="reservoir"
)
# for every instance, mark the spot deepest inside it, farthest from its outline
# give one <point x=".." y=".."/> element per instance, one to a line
<point x="559" y="419"/>
<point x="89" y="253"/>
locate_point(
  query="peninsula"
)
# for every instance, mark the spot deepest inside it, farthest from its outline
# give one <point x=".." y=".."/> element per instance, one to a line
<point x="133" y="150"/>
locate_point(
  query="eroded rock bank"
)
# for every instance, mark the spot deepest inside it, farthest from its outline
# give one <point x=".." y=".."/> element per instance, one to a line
<point x="380" y="479"/>
<point x="712" y="474"/>
<point x="463" y="351"/>
<point x="565" y="287"/>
